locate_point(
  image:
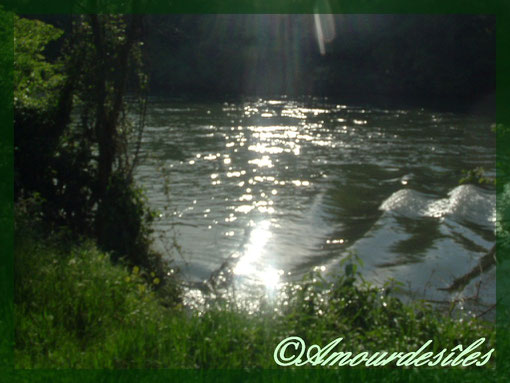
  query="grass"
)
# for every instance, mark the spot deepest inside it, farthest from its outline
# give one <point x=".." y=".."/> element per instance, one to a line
<point x="75" y="309"/>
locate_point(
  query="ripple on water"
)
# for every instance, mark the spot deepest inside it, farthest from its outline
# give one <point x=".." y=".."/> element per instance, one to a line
<point x="320" y="180"/>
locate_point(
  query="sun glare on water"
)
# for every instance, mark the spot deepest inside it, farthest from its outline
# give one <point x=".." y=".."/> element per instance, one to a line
<point x="251" y="265"/>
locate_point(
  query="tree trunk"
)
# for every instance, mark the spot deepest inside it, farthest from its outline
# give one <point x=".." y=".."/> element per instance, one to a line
<point x="110" y="87"/>
<point x="107" y="119"/>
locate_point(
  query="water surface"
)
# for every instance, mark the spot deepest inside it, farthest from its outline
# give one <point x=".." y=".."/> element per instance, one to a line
<point x="265" y="190"/>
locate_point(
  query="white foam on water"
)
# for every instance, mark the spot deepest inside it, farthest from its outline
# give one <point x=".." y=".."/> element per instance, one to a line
<point x="406" y="202"/>
<point x="454" y="253"/>
<point x="466" y="203"/>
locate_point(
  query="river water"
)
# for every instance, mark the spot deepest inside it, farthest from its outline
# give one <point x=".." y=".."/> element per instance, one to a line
<point x="264" y="190"/>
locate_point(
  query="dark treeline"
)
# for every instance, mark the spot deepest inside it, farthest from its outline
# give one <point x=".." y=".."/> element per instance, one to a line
<point x="420" y="56"/>
<point x="418" y="59"/>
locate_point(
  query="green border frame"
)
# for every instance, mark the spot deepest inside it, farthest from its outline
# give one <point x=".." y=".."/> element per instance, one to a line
<point x="500" y="8"/>
<point x="6" y="193"/>
<point x="258" y="6"/>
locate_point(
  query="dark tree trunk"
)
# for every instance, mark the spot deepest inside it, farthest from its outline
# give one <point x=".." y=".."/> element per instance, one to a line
<point x="107" y="119"/>
<point x="110" y="84"/>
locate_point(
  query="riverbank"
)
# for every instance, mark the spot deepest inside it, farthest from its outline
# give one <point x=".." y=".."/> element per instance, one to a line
<point x="75" y="309"/>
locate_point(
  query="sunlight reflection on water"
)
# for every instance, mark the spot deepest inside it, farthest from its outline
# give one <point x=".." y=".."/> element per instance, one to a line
<point x="249" y="265"/>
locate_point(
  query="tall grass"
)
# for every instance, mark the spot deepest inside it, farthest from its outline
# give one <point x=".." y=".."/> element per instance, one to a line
<point x="75" y="309"/>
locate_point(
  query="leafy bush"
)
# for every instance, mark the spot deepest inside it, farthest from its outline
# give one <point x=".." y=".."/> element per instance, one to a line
<point x="35" y="79"/>
<point x="125" y="230"/>
<point x="125" y="220"/>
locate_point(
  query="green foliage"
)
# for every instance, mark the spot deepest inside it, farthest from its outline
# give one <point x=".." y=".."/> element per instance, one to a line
<point x="35" y="78"/>
<point x="74" y="309"/>
<point x="125" y="228"/>
<point x="82" y="169"/>
<point x="125" y="218"/>
<point x="48" y="160"/>
<point x="477" y="176"/>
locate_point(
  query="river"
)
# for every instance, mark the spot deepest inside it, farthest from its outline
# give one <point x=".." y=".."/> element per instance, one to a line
<point x="262" y="191"/>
